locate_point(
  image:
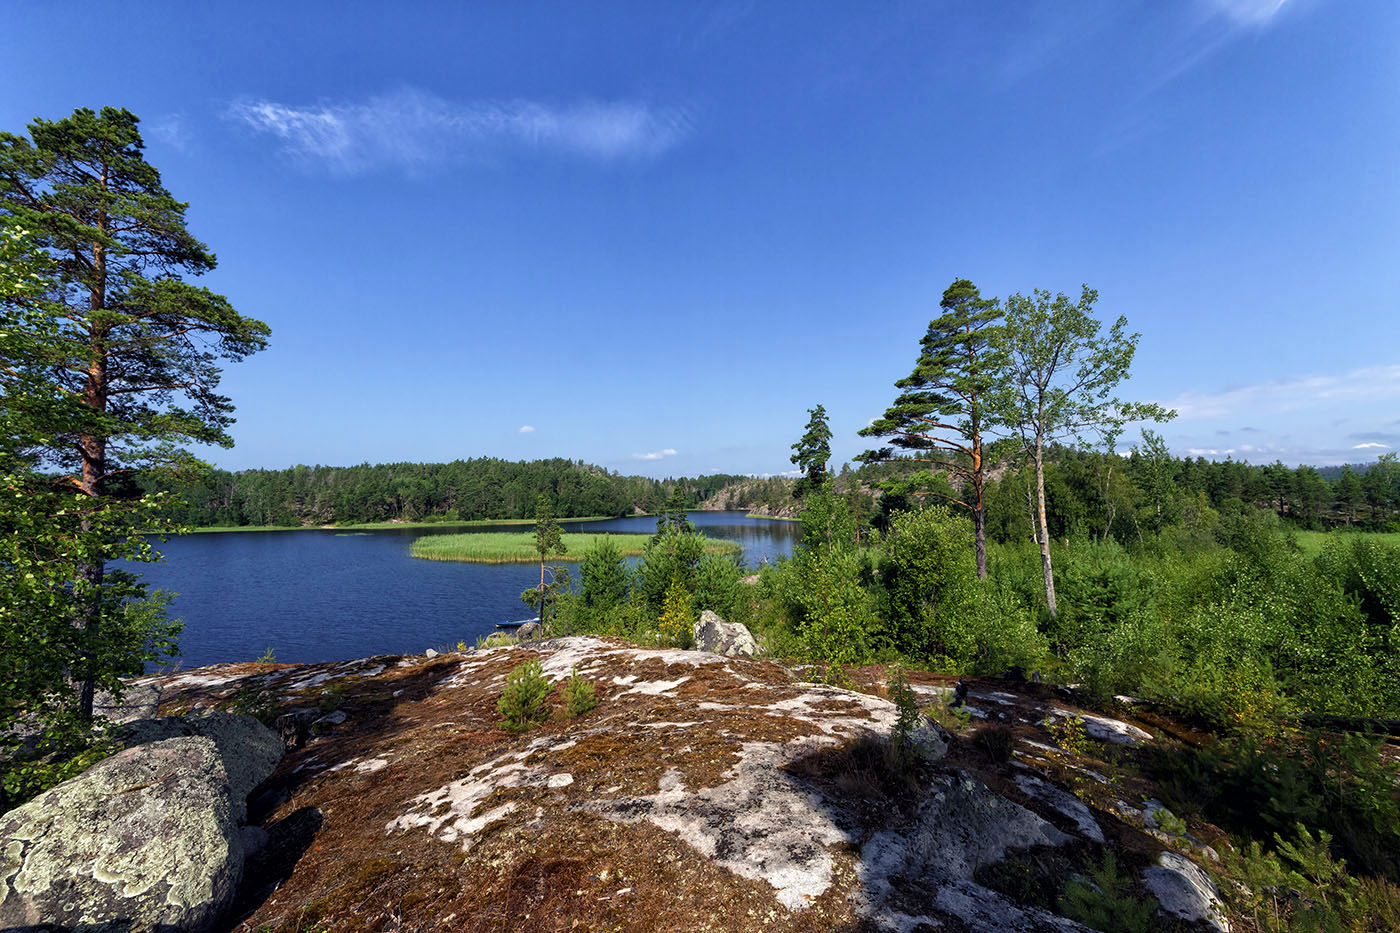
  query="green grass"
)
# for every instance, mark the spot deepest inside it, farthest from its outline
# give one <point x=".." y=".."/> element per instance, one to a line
<point x="772" y="518"/>
<point x="504" y="547"/>
<point x="1312" y="542"/>
<point x="367" y="526"/>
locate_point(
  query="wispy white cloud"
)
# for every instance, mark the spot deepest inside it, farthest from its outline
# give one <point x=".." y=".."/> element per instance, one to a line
<point x="655" y="455"/>
<point x="1371" y="384"/>
<point x="170" y="130"/>
<point x="527" y="429"/>
<point x="415" y="130"/>
<point x="1370" y="444"/>
<point x="1247" y="12"/>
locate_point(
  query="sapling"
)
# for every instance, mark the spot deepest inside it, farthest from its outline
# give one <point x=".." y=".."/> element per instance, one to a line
<point x="522" y="705"/>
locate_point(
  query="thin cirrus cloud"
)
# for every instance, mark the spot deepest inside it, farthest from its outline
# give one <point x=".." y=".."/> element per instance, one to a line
<point x="527" y="429"/>
<point x="655" y="455"/>
<point x="1248" y="12"/>
<point x="1369" y="385"/>
<point x="414" y="130"/>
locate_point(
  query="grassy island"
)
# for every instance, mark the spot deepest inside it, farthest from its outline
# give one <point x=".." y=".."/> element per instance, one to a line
<point x="504" y="547"/>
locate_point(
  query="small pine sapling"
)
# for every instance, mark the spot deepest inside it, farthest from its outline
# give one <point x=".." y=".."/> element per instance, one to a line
<point x="579" y="697"/>
<point x="902" y="735"/>
<point x="523" y="705"/>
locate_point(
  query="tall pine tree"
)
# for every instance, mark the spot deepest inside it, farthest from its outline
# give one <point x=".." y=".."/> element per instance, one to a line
<point x="941" y="413"/>
<point x="137" y="344"/>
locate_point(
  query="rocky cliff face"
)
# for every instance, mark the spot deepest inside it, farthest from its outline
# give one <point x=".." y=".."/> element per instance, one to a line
<point x="702" y="793"/>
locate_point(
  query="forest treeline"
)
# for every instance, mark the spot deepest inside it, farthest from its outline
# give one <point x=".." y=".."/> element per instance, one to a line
<point x="463" y="490"/>
<point x="1090" y="493"/>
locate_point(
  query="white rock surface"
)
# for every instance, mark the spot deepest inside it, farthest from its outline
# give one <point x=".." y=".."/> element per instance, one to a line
<point x="1186" y="891"/>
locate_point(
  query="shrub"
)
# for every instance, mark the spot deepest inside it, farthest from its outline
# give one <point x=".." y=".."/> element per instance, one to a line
<point x="262" y="705"/>
<point x="929" y="579"/>
<point x="717" y="585"/>
<point x="670" y="558"/>
<point x="64" y="751"/>
<point x="677" y="616"/>
<point x="998" y="742"/>
<point x="1104" y="900"/>
<point x="1301" y="886"/>
<point x="603" y="576"/>
<point x="579" y="697"/>
<point x="836" y="618"/>
<point x="902" y="735"/>
<point x="522" y="705"/>
<point x="1341" y="784"/>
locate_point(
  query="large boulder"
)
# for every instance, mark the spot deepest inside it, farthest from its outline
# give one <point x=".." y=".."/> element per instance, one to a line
<point x="250" y="750"/>
<point x="530" y="631"/>
<point x="144" y="839"/>
<point x="715" y="635"/>
<point x="138" y="701"/>
<point x="148" y="839"/>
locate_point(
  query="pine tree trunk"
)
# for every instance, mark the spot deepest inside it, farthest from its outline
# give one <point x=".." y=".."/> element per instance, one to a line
<point x="979" y="524"/>
<point x="1044" y="529"/>
<point x="94" y="448"/>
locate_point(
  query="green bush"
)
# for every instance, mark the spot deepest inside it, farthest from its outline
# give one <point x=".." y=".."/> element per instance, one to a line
<point x="717" y="586"/>
<point x="523" y="704"/>
<point x="672" y="557"/>
<point x="929" y="576"/>
<point x="1300" y="886"/>
<point x="603" y="576"/>
<point x="835" y="614"/>
<point x="1259" y="788"/>
<point x="1104" y="900"/>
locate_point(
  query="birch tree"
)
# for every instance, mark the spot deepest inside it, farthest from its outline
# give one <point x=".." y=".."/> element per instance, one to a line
<point x="1061" y="374"/>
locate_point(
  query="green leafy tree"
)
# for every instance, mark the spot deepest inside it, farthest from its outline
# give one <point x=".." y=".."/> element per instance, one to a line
<point x="942" y="411"/>
<point x="813" y="451"/>
<point x="549" y="542"/>
<point x="929" y="586"/>
<point x="1061" y="373"/>
<point x="126" y="335"/>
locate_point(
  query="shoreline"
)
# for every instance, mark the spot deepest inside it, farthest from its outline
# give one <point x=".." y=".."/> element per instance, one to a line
<point x="384" y="526"/>
<point x="475" y="522"/>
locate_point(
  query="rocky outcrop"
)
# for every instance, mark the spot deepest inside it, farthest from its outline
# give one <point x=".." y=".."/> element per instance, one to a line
<point x="1185" y="891"/>
<point x="149" y="838"/>
<point x="703" y="791"/>
<point x="715" y="635"/>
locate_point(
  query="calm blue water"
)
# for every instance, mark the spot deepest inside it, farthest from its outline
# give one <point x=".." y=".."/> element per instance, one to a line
<point x="320" y="596"/>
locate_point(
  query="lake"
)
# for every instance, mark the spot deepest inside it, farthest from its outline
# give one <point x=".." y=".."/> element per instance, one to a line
<point x="320" y="595"/>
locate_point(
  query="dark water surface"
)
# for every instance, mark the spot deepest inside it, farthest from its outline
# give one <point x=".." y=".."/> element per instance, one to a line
<point x="323" y="596"/>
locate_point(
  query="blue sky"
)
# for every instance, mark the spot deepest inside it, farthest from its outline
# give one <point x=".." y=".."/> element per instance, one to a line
<point x="651" y="235"/>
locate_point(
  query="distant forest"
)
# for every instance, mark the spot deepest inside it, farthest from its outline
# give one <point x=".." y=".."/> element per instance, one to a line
<point x="463" y="490"/>
<point x="1091" y="494"/>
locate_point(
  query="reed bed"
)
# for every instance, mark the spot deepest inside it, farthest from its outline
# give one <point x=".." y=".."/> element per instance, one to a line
<point x="505" y="547"/>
